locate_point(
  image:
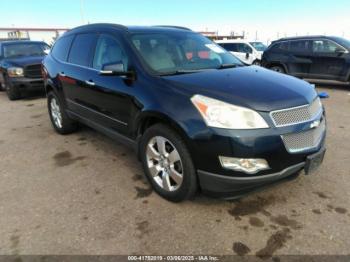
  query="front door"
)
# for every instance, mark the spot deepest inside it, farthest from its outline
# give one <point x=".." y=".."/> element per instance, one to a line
<point x="110" y="97"/>
<point x="328" y="60"/>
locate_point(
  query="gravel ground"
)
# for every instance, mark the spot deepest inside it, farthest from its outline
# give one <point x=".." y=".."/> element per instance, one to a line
<point x="85" y="194"/>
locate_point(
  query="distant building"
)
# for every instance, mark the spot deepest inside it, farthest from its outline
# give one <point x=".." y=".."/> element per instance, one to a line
<point x="47" y="35"/>
<point x="215" y="35"/>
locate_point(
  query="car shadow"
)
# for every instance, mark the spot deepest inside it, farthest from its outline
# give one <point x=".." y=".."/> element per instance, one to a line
<point x="32" y="95"/>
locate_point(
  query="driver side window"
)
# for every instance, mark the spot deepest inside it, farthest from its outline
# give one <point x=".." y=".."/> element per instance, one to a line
<point x="244" y="48"/>
<point x="109" y="51"/>
<point x="325" y="46"/>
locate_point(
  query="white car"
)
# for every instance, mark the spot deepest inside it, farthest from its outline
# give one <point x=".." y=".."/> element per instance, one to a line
<point x="248" y="52"/>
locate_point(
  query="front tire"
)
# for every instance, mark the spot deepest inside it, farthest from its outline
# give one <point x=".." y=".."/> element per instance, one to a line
<point x="167" y="164"/>
<point x="12" y="91"/>
<point x="257" y="63"/>
<point x="278" y="69"/>
<point x="58" y="116"/>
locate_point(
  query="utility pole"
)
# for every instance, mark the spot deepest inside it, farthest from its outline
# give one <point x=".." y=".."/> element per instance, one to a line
<point x="82" y="12"/>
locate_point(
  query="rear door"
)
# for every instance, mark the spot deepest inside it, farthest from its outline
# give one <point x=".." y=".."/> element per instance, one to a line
<point x="77" y="74"/>
<point x="328" y="60"/>
<point x="300" y="58"/>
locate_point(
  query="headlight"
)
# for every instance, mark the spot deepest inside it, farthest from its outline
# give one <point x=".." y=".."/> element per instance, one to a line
<point x="15" y="71"/>
<point x="223" y="115"/>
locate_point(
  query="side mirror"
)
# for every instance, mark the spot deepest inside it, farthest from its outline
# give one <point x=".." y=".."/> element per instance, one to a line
<point x="247" y="55"/>
<point x="116" y="69"/>
<point x="340" y="51"/>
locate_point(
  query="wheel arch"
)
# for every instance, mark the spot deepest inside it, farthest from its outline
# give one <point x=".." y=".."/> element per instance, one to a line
<point x="278" y="64"/>
<point x="150" y="118"/>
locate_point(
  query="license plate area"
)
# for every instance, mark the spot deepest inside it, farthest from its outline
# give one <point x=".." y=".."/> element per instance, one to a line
<point x="314" y="161"/>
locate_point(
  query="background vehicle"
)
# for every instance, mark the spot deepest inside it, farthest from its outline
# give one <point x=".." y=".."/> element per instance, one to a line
<point x="20" y="66"/>
<point x="195" y="114"/>
<point x="314" y="57"/>
<point x="248" y="52"/>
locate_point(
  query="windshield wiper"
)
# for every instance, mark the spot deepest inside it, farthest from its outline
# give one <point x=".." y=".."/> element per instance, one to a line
<point x="180" y="72"/>
<point x="224" y="66"/>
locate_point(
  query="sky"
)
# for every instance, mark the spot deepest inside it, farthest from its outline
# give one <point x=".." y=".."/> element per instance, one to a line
<point x="264" y="19"/>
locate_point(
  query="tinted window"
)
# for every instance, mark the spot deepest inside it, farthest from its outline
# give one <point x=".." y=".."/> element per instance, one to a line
<point x="232" y="47"/>
<point x="61" y="48"/>
<point x="109" y="51"/>
<point x="325" y="46"/>
<point x="281" y="46"/>
<point x="259" y="46"/>
<point x="81" y="49"/>
<point x="244" y="48"/>
<point x="299" y="46"/>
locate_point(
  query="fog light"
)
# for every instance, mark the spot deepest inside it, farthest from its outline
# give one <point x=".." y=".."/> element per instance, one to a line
<point x="246" y="165"/>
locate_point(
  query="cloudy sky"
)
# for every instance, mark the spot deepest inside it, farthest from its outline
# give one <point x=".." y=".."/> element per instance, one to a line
<point x="268" y="19"/>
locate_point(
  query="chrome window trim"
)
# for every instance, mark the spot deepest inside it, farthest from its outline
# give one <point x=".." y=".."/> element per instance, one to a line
<point x="317" y="115"/>
<point x="94" y="111"/>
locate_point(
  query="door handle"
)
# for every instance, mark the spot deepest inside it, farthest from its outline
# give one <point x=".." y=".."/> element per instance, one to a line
<point x="90" y="82"/>
<point x="62" y="74"/>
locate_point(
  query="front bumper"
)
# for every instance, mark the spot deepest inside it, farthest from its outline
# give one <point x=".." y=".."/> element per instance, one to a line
<point x="235" y="187"/>
<point x="24" y="83"/>
<point x="263" y="144"/>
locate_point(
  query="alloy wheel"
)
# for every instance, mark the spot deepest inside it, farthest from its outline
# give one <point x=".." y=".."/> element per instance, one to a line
<point x="56" y="113"/>
<point x="164" y="163"/>
<point x="277" y="69"/>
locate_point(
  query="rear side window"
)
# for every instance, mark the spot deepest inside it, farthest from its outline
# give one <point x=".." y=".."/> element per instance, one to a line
<point x="299" y="46"/>
<point x="61" y="48"/>
<point x="80" y="53"/>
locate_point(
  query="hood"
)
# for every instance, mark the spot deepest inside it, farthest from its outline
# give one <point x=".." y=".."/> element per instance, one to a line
<point x="24" y="61"/>
<point x="251" y="86"/>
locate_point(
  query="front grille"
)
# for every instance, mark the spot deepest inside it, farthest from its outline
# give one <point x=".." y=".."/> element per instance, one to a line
<point x="297" y="115"/>
<point x="306" y="140"/>
<point x="33" y="71"/>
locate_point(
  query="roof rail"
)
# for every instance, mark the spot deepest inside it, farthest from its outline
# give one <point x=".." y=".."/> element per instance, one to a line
<point x="174" y="26"/>
<point x="97" y="25"/>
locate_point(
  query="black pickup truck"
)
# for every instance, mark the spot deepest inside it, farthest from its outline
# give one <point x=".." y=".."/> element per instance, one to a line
<point x="20" y="66"/>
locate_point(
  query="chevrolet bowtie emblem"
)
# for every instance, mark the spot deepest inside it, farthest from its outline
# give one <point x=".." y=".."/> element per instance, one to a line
<point x="315" y="124"/>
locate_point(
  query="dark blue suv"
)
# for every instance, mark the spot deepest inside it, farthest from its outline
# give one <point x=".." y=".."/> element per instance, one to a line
<point x="310" y="57"/>
<point x="198" y="118"/>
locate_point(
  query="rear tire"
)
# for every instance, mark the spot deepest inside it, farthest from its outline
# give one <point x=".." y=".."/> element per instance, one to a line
<point x="278" y="69"/>
<point x="58" y="116"/>
<point x="167" y="164"/>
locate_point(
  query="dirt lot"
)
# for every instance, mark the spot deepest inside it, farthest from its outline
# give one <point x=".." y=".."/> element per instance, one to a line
<point x="85" y="194"/>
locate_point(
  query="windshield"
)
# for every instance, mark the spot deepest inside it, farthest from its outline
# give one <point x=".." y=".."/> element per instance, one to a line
<point x="24" y="49"/>
<point x="171" y="53"/>
<point x="259" y="46"/>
